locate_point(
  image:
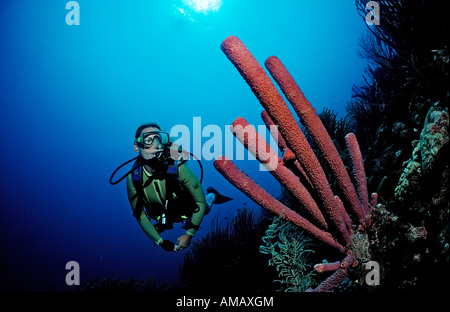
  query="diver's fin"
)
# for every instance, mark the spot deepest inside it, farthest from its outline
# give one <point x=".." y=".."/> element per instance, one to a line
<point x="220" y="199"/>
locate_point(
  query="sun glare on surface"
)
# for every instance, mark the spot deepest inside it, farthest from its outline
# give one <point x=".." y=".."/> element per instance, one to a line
<point x="204" y="6"/>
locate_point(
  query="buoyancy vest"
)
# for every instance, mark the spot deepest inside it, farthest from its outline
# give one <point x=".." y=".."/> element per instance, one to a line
<point x="169" y="172"/>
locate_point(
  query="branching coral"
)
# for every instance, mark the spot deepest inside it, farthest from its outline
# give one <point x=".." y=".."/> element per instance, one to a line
<point x="289" y="249"/>
<point x="331" y="223"/>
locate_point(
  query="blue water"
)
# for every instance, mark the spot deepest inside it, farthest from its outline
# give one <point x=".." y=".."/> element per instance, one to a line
<point x="72" y="97"/>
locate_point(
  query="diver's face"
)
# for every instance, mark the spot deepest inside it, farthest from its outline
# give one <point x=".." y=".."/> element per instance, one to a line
<point x="148" y="151"/>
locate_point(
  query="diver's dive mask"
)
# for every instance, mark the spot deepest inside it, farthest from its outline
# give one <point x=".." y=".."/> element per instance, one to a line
<point x="166" y="152"/>
<point x="151" y="139"/>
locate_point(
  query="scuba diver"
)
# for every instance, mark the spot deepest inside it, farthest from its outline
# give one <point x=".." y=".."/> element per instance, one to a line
<point x="162" y="187"/>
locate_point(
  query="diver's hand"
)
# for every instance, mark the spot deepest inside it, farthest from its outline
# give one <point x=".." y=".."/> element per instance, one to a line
<point x="183" y="242"/>
<point x="167" y="245"/>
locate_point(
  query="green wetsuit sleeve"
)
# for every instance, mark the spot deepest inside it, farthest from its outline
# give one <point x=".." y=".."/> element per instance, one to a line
<point x="144" y="222"/>
<point x="191" y="183"/>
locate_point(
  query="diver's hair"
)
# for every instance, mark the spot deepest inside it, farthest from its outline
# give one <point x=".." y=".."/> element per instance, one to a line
<point x="146" y="125"/>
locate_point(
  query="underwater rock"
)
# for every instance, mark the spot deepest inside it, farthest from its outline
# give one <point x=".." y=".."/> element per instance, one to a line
<point x="383" y="237"/>
<point x="360" y="245"/>
<point x="434" y="137"/>
<point x="415" y="234"/>
<point x="422" y="197"/>
<point x="433" y="142"/>
<point x="410" y="178"/>
<point x="400" y="131"/>
<point x="417" y="111"/>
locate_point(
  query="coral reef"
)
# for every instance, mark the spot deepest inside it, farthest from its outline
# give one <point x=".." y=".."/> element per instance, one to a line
<point x="422" y="199"/>
<point x="429" y="151"/>
<point x="402" y="112"/>
<point x="340" y="223"/>
<point x="407" y="73"/>
<point x="423" y="185"/>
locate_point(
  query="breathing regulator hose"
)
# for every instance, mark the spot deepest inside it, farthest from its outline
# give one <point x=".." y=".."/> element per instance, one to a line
<point x="164" y="155"/>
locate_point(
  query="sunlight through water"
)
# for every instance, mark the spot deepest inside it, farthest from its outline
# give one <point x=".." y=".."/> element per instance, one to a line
<point x="204" y="6"/>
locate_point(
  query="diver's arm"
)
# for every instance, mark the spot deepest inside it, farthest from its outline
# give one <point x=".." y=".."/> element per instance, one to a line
<point x="143" y="220"/>
<point x="193" y="186"/>
<point x="149" y="229"/>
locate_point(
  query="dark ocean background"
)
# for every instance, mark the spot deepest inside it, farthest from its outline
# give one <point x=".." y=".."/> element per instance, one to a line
<point x="72" y="97"/>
